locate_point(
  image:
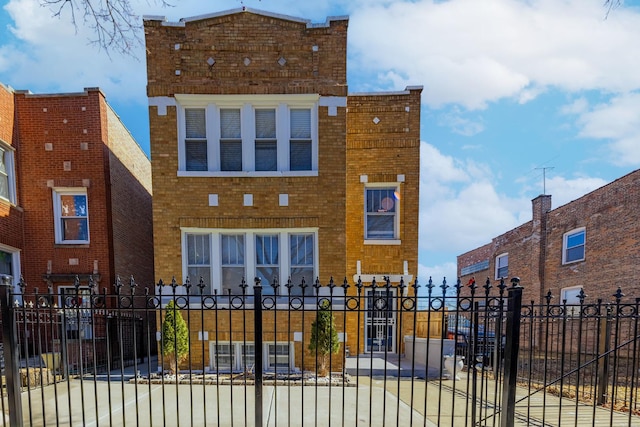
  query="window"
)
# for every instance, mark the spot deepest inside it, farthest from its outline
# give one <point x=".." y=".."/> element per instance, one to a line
<point x="232" y="263"/>
<point x="196" y="139"/>
<point x="502" y="266"/>
<point x="224" y="259"/>
<point x="302" y="260"/>
<point x="223" y="356"/>
<point x="573" y="246"/>
<point x="267" y="265"/>
<point x="266" y="142"/>
<point x="242" y="135"/>
<point x="230" y="140"/>
<point x="77" y="316"/>
<point x="300" y="144"/>
<point x="71" y="215"/>
<point x="279" y="356"/>
<point x="7" y="175"/>
<point x="199" y="260"/>
<point x="381" y="213"/>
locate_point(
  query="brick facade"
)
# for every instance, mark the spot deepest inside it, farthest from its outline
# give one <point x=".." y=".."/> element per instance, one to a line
<point x="256" y="56"/>
<point x="609" y="217"/>
<point x="76" y="141"/>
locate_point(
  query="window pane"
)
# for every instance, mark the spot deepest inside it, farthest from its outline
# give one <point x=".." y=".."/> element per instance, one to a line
<point x="3" y="162"/>
<point x="300" y="155"/>
<point x="380" y="226"/>
<point x="231" y="155"/>
<point x="4" y="186"/>
<point x="575" y="254"/>
<point x="266" y="156"/>
<point x="75" y="229"/>
<point x="74" y="205"/>
<point x="575" y="239"/>
<point x="266" y="123"/>
<point x="232" y="249"/>
<point x="195" y="273"/>
<point x="381" y="200"/>
<point x="196" y="155"/>
<point x="195" y="123"/>
<point x="224" y="356"/>
<point x="5" y="263"/>
<point x="230" y="124"/>
<point x="232" y="279"/>
<point x="301" y="249"/>
<point x="300" y="123"/>
<point x="248" y="356"/>
<point x="267" y="250"/>
<point x="198" y="249"/>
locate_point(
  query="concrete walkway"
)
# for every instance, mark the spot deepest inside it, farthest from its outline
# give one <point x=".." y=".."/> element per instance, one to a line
<point x="398" y="401"/>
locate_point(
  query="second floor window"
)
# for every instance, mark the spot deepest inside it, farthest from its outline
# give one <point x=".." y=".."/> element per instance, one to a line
<point x="231" y="136"/>
<point x="502" y="266"/>
<point x="71" y="216"/>
<point x="7" y="175"/>
<point x="573" y="246"/>
<point x="381" y="213"/>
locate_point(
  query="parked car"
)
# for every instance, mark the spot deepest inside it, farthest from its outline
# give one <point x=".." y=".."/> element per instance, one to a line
<point x="481" y="348"/>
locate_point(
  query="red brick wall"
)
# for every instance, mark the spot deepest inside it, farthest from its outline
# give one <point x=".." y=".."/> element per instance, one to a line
<point x="610" y="216"/>
<point x="11" y="216"/>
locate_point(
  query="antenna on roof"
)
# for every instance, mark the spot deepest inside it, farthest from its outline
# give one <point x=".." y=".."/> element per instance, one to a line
<point x="544" y="179"/>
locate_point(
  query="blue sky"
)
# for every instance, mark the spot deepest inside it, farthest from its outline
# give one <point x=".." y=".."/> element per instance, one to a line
<point x="510" y="87"/>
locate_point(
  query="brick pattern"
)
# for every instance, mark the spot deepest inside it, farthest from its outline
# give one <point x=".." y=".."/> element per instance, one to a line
<point x="11" y="216"/>
<point x="609" y="215"/>
<point x="75" y="140"/>
<point x="246" y="48"/>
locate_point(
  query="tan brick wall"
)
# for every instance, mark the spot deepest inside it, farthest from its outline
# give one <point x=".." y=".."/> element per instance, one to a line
<point x="348" y="145"/>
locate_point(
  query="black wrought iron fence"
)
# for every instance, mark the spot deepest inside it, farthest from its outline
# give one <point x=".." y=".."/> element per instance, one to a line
<point x="310" y="354"/>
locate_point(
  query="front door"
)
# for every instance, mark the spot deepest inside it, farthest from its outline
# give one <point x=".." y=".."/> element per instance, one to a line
<point x="380" y="322"/>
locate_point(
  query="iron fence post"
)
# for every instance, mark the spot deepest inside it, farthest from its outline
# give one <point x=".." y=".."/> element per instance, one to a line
<point x="257" y="322"/>
<point x="11" y="355"/>
<point x="603" y="350"/>
<point x="512" y="348"/>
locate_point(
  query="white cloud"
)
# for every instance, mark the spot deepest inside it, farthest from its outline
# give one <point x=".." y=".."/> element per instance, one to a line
<point x="617" y="121"/>
<point x="459" y="124"/>
<point x="459" y="205"/>
<point x="472" y="52"/>
<point x="565" y="190"/>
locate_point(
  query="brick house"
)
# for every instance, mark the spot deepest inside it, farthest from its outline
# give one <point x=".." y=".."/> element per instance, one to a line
<point x="282" y="173"/>
<point x="11" y="213"/>
<point x="591" y="243"/>
<point x="79" y="198"/>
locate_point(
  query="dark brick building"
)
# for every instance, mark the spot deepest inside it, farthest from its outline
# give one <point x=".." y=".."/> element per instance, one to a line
<point x="592" y="243"/>
<point x="75" y="192"/>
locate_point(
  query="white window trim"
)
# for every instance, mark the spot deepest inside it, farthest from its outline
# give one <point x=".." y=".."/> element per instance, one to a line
<point x="15" y="265"/>
<point x="57" y="215"/>
<point x="572" y="310"/>
<point x="250" y="247"/>
<point x="247" y="105"/>
<point x="292" y="355"/>
<point x="76" y="312"/>
<point x="11" y="172"/>
<point x="565" y="238"/>
<point x="506" y="254"/>
<point x="396" y="240"/>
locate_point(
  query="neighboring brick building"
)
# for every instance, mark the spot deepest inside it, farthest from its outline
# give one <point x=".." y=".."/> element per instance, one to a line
<point x="11" y="213"/>
<point x="80" y="193"/>
<point x="280" y="172"/>
<point x="592" y="243"/>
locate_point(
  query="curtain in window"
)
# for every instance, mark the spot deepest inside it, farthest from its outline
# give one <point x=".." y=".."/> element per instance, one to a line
<point x="267" y="260"/>
<point x="73" y="211"/>
<point x="266" y="158"/>
<point x="380" y="213"/>
<point x="4" y="175"/>
<point x="301" y="251"/>
<point x="233" y="272"/>
<point x="199" y="261"/>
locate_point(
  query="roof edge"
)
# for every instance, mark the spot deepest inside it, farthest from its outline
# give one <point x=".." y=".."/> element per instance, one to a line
<point x="183" y="21"/>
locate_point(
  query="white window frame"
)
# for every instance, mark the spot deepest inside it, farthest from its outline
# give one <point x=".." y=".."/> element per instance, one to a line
<point x="8" y="154"/>
<point x="267" y="364"/>
<point x="573" y="302"/>
<point x="15" y="265"/>
<point x="284" y="256"/>
<point x="57" y="214"/>
<point x="565" y="248"/>
<point x="83" y="311"/>
<point x="497" y="266"/>
<point x="396" y="237"/>
<point x="247" y="105"/>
